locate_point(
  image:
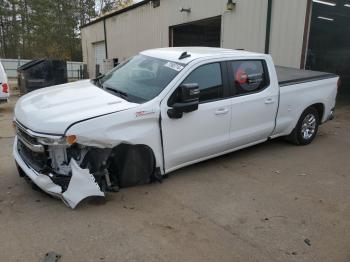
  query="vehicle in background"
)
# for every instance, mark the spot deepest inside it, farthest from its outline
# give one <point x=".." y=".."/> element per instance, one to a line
<point x="162" y="110"/>
<point x="4" y="85"/>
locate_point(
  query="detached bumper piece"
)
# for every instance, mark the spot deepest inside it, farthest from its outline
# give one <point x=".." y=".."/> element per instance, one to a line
<point x="81" y="186"/>
<point x="82" y="183"/>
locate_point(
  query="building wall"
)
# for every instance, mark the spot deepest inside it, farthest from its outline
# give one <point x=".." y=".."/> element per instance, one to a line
<point x="147" y="27"/>
<point x="89" y="36"/>
<point x="245" y="28"/>
<point x="287" y="31"/>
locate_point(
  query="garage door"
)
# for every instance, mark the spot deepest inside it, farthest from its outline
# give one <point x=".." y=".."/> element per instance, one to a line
<point x="100" y="56"/>
<point x="199" y="33"/>
<point x="329" y="42"/>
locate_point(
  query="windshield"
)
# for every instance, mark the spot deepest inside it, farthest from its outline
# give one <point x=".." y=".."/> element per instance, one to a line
<point x="141" y="78"/>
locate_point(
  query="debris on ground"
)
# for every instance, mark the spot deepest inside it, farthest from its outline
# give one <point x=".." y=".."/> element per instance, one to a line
<point x="307" y="242"/>
<point x="52" y="257"/>
<point x="303" y="174"/>
<point x="167" y="227"/>
<point x="129" y="207"/>
<point x="292" y="253"/>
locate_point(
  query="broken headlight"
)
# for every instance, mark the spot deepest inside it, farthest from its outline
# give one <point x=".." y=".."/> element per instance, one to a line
<point x="59" y="141"/>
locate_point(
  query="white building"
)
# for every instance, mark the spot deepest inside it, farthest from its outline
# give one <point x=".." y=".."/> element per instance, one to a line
<point x="297" y="33"/>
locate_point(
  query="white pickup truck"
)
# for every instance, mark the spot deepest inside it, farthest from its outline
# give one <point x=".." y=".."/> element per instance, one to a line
<point x="161" y="110"/>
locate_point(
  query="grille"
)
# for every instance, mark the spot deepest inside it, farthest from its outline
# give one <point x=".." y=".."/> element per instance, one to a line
<point x="38" y="161"/>
<point x="25" y="135"/>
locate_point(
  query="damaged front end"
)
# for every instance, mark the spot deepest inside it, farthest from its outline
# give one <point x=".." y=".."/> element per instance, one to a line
<point x="64" y="168"/>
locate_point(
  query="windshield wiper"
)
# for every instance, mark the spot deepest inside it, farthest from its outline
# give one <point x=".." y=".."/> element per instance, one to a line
<point x="118" y="92"/>
<point x="97" y="80"/>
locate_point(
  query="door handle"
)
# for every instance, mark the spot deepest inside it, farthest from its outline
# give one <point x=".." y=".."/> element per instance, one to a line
<point x="222" y="111"/>
<point x="269" y="101"/>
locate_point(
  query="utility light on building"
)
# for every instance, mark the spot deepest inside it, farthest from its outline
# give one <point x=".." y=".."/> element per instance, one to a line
<point x="230" y="6"/>
<point x="326" y="18"/>
<point x="186" y="10"/>
<point x="330" y="3"/>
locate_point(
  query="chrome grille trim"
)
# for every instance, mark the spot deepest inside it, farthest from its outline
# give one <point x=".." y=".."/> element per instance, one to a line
<point x="34" y="134"/>
<point x="34" y="147"/>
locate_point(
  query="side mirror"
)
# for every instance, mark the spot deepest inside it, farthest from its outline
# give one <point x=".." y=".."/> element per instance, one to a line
<point x="188" y="101"/>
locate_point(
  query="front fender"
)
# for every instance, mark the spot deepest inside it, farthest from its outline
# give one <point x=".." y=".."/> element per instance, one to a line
<point x="135" y="127"/>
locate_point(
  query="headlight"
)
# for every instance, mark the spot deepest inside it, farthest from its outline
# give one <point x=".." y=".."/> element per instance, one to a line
<point x="62" y="141"/>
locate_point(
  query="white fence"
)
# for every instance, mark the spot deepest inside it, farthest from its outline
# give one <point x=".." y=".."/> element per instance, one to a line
<point x="11" y="65"/>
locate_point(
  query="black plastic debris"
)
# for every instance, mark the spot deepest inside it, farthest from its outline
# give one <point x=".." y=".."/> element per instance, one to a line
<point x="307" y="242"/>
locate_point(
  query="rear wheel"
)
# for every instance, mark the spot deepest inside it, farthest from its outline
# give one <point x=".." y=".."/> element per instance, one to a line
<point x="306" y="129"/>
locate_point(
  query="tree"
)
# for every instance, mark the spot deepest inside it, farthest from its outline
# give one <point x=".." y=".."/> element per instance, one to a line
<point x="48" y="28"/>
<point x="43" y="28"/>
<point x="109" y="5"/>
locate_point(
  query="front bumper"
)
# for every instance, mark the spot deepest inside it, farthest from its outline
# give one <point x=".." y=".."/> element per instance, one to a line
<point x="82" y="184"/>
<point x="42" y="181"/>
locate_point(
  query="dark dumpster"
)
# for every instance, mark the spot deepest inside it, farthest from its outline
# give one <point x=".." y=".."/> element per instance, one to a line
<point x="41" y="73"/>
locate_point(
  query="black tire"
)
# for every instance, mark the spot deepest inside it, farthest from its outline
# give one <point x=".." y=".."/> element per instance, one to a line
<point x="298" y="136"/>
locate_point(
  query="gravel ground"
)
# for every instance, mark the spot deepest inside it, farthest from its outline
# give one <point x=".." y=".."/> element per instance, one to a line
<point x="271" y="202"/>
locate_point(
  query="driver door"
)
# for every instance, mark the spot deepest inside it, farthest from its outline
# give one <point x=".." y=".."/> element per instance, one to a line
<point x="202" y="133"/>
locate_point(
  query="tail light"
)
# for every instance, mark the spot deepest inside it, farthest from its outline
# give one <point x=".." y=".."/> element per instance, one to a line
<point x="5" y="88"/>
<point x="339" y="83"/>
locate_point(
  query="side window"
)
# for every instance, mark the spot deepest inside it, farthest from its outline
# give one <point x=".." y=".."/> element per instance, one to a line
<point x="209" y="79"/>
<point x="249" y="76"/>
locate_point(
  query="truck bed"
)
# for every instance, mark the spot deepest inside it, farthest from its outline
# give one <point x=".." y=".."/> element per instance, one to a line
<point x="291" y="76"/>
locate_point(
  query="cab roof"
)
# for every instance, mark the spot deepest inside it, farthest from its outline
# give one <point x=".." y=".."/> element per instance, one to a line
<point x="174" y="53"/>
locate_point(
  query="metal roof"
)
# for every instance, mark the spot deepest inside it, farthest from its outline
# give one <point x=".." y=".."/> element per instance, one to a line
<point x="116" y="12"/>
<point x="174" y="53"/>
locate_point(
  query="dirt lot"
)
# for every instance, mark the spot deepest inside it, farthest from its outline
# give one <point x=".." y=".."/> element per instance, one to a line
<point x="272" y="202"/>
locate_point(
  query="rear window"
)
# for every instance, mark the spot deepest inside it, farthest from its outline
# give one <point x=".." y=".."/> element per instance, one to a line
<point x="249" y="76"/>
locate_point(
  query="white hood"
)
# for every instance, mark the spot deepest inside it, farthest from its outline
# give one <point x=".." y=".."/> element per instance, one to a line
<point x="53" y="109"/>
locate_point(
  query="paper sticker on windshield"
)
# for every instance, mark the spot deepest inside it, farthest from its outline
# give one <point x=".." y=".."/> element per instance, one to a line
<point x="174" y="66"/>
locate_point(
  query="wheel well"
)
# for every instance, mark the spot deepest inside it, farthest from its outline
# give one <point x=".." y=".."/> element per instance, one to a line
<point x="132" y="164"/>
<point x="320" y="110"/>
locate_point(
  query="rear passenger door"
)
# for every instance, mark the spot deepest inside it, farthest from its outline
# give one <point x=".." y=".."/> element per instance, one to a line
<point x="254" y="102"/>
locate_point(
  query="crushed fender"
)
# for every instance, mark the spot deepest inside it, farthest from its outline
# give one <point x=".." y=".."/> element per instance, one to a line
<point x="81" y="186"/>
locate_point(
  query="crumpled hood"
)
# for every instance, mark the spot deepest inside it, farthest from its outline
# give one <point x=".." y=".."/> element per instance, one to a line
<point x="53" y="109"/>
